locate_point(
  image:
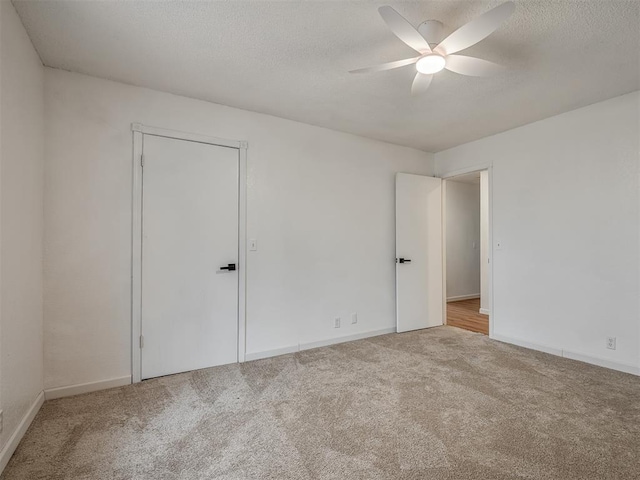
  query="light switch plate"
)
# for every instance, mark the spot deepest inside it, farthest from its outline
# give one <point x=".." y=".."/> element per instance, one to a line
<point x="253" y="245"/>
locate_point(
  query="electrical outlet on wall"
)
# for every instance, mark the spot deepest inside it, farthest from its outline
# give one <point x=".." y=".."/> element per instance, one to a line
<point x="611" y="343"/>
<point x="336" y="322"/>
<point x="354" y="318"/>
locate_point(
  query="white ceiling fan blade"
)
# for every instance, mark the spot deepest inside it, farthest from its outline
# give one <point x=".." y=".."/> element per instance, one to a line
<point x="404" y="30"/>
<point x="386" y="66"/>
<point x="420" y="83"/>
<point x="475" y="67"/>
<point x="476" y="30"/>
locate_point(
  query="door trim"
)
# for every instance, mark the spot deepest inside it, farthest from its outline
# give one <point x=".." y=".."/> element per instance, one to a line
<point x="476" y="168"/>
<point x="138" y="131"/>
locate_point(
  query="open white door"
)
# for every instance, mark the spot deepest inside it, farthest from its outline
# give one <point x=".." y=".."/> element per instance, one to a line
<point x="419" y="286"/>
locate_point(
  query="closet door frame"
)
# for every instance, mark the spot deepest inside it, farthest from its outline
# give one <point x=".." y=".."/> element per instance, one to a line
<point x="138" y="131"/>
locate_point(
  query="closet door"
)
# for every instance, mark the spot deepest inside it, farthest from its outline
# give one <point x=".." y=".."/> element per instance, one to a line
<point x="189" y="255"/>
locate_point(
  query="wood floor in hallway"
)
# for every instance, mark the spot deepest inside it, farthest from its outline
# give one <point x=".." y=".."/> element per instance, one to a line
<point x="465" y="314"/>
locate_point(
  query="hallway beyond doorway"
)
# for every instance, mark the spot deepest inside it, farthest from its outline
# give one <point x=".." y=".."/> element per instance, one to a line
<point x="465" y="314"/>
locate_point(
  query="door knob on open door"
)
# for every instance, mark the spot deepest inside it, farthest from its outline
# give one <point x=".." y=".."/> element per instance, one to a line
<point x="230" y="267"/>
<point x="403" y="260"/>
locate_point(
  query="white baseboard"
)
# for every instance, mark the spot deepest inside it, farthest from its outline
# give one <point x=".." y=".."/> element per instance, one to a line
<point x="59" y="392"/>
<point x="321" y="343"/>
<point x="484" y="311"/>
<point x="271" y="353"/>
<point x="600" y="362"/>
<point x="463" y="297"/>
<point x="529" y="345"/>
<point x="346" y="338"/>
<point x="17" y="435"/>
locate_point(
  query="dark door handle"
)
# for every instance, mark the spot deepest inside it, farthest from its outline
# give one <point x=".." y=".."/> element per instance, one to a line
<point x="231" y="267"/>
<point x="403" y="260"/>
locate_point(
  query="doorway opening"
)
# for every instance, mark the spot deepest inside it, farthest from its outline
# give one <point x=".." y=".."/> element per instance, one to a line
<point x="466" y="232"/>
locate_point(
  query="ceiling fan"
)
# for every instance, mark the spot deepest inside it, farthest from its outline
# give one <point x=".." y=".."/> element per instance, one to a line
<point x="431" y="61"/>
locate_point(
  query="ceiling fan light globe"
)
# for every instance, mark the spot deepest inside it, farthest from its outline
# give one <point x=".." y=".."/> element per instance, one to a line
<point x="430" y="64"/>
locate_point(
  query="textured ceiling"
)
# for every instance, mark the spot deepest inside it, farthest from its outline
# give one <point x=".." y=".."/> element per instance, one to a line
<point x="291" y="58"/>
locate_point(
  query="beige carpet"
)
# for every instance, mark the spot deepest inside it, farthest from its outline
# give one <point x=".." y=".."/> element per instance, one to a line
<point x="436" y="404"/>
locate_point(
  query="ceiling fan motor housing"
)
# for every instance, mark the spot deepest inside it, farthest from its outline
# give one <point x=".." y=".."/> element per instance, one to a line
<point x="432" y="31"/>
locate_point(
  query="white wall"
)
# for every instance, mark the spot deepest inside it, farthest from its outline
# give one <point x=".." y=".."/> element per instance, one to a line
<point x="566" y="209"/>
<point x="485" y="292"/>
<point x="21" y="223"/>
<point x="320" y="204"/>
<point x="463" y="239"/>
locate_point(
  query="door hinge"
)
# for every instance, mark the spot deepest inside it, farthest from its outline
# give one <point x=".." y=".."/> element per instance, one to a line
<point x="141" y="341"/>
<point x="142" y="160"/>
